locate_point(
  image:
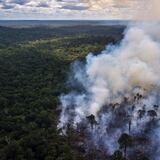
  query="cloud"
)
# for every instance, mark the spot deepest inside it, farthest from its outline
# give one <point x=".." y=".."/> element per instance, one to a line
<point x="43" y="4"/>
<point x="20" y="2"/>
<point x="89" y="9"/>
<point x="7" y="6"/>
<point x="70" y="7"/>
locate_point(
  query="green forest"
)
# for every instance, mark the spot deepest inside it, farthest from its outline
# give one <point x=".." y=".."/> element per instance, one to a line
<point x="34" y="64"/>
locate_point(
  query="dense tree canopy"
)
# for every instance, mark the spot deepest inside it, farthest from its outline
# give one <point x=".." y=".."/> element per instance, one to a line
<point x="33" y="69"/>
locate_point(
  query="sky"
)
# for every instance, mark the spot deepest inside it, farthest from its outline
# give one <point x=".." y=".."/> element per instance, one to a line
<point x="68" y="9"/>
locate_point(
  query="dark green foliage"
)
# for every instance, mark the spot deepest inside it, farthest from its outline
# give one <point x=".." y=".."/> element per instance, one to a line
<point x="117" y="156"/>
<point x="33" y="68"/>
<point x="125" y="141"/>
<point x="152" y="113"/>
<point x="10" y="36"/>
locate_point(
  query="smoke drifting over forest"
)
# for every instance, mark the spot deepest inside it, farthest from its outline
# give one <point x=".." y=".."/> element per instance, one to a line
<point x="117" y="93"/>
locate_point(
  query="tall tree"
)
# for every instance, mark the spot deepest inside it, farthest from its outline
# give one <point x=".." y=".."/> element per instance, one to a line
<point x="125" y="141"/>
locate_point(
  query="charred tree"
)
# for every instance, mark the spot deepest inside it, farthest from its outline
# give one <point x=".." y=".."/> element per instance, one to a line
<point x="125" y="141"/>
<point x="92" y="120"/>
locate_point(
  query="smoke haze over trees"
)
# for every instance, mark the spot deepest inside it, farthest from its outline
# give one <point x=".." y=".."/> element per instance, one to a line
<point x="119" y="93"/>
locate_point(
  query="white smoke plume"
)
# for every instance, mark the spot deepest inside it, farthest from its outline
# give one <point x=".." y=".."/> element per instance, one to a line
<point x="120" y="87"/>
<point x="111" y="75"/>
<point x="150" y="11"/>
<point x="110" y="83"/>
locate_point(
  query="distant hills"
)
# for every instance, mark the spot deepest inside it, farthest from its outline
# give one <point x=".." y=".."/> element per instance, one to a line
<point x="58" y="23"/>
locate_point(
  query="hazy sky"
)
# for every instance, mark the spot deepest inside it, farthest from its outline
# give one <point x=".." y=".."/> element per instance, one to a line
<point x="69" y="9"/>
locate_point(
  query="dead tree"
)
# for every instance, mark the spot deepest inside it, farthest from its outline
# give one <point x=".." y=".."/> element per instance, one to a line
<point x="152" y="114"/>
<point x="91" y="120"/>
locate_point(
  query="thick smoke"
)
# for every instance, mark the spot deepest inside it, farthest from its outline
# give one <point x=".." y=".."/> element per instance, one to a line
<point x="111" y="75"/>
<point x="117" y="91"/>
<point x="120" y="87"/>
<point x="149" y="11"/>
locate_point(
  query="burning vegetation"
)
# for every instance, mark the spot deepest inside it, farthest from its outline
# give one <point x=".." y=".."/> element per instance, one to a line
<point x="116" y="104"/>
